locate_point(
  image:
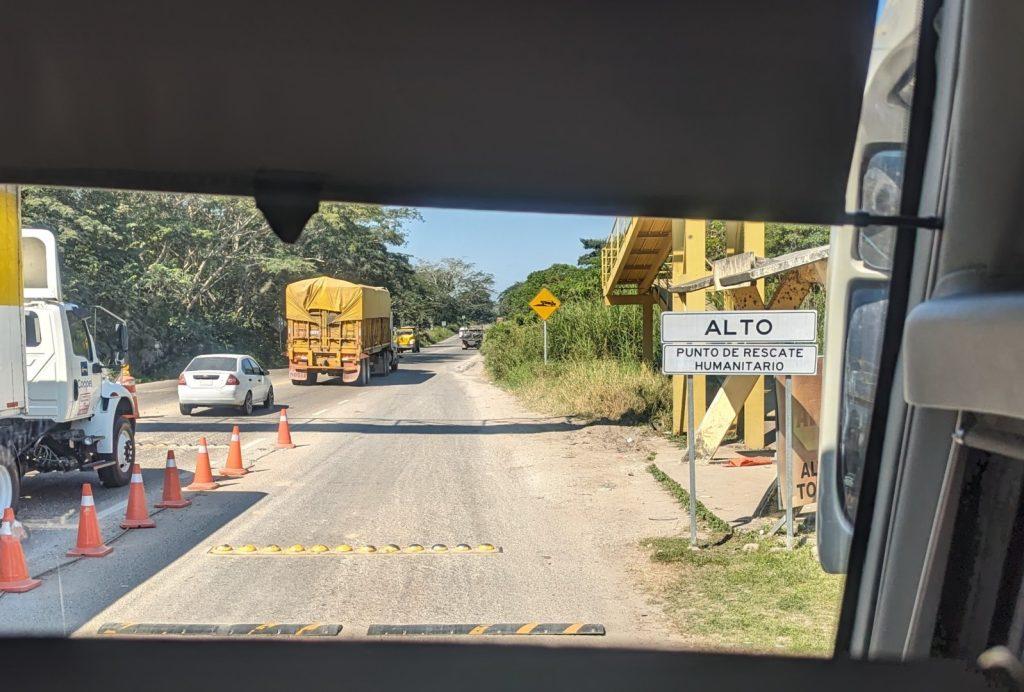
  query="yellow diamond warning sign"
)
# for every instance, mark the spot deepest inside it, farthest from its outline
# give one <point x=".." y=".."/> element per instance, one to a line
<point x="545" y="303"/>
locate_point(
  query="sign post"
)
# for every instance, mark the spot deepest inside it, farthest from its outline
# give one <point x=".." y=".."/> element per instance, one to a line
<point x="740" y="342"/>
<point x="544" y="304"/>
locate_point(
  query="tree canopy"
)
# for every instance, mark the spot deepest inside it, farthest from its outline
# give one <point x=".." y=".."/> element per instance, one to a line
<point x="195" y="273"/>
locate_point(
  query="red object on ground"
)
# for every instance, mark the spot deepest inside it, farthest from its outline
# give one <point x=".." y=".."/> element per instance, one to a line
<point x="14" y="576"/>
<point x="203" y="477"/>
<point x="137" y="516"/>
<point x="749" y="461"/>
<point x="284" y="433"/>
<point x="172" y="498"/>
<point x="90" y="542"/>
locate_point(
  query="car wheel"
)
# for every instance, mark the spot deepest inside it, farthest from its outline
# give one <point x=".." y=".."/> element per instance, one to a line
<point x="185" y="409"/>
<point x="269" y="401"/>
<point x="10" y="480"/>
<point x="247" y="404"/>
<point x="120" y="472"/>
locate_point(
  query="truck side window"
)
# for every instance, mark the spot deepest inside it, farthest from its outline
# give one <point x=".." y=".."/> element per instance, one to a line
<point x="81" y="340"/>
<point x="33" y="336"/>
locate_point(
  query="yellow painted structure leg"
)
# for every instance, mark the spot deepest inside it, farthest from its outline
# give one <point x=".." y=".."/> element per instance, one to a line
<point x="688" y="263"/>
<point x="753" y="408"/>
<point x="647" y="338"/>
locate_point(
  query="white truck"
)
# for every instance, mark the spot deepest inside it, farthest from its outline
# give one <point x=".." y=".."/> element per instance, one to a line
<point x="59" y="408"/>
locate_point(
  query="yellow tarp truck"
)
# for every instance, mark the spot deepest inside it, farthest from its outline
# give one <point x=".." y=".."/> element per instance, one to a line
<point x="337" y="328"/>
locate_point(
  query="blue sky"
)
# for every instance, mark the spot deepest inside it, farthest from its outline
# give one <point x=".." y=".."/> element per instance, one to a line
<point x="506" y="244"/>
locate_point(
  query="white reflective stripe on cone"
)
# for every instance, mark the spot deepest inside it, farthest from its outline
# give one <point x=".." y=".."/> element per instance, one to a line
<point x="170" y="463"/>
<point x="136" y="478"/>
<point x="5" y="529"/>
<point x="87" y="501"/>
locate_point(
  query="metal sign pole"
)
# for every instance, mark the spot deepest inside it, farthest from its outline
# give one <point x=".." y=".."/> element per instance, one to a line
<point x="545" y="342"/>
<point x="789" y="462"/>
<point x="691" y="445"/>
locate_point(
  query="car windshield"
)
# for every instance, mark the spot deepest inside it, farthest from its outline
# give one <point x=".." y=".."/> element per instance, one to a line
<point x="221" y="363"/>
<point x="536" y="475"/>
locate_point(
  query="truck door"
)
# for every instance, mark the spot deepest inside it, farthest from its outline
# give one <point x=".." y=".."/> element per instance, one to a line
<point x="85" y="371"/>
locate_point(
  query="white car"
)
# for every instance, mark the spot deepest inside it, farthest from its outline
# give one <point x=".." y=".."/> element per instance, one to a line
<point x="224" y="379"/>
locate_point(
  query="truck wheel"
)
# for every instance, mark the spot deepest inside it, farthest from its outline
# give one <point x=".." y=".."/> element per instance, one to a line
<point x="185" y="409"/>
<point x="10" y="480"/>
<point x="247" y="404"/>
<point x="120" y="472"/>
<point x="394" y="362"/>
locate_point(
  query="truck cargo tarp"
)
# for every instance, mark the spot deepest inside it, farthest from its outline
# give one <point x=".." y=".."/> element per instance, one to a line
<point x="351" y="301"/>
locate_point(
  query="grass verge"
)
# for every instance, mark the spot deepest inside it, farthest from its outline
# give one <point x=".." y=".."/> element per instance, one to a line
<point x="709" y="521"/>
<point x="434" y="335"/>
<point x="764" y="601"/>
<point x="598" y="388"/>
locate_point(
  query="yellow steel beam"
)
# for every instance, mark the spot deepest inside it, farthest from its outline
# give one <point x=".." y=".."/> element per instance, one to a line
<point x="630" y="299"/>
<point x="10" y="247"/>
<point x="647" y="333"/>
<point x="753" y="410"/>
<point x="688" y="255"/>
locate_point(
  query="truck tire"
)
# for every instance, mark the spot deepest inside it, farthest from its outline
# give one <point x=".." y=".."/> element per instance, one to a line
<point x="120" y="472"/>
<point x="394" y="362"/>
<point x="310" y="380"/>
<point x="10" y="480"/>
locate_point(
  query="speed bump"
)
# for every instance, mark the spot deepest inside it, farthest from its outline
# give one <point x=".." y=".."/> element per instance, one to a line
<point x="523" y="628"/>
<point x="322" y="549"/>
<point x="274" y="629"/>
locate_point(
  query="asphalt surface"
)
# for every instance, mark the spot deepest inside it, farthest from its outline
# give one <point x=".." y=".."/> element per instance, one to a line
<point x="409" y="459"/>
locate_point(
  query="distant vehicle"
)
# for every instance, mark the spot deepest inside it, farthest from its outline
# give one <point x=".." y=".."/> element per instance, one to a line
<point x="224" y="379"/>
<point x="405" y="340"/>
<point x="472" y="337"/>
<point x="338" y="328"/>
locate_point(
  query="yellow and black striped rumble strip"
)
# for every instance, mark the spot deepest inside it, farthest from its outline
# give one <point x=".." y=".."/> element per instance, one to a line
<point x="525" y="628"/>
<point x="274" y="629"/>
<point x="346" y="550"/>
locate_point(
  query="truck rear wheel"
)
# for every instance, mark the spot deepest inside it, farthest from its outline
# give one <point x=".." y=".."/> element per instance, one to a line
<point x="120" y="472"/>
<point x="10" y="480"/>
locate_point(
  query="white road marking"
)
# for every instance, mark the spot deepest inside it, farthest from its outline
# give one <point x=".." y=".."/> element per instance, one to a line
<point x="251" y="444"/>
<point x="322" y="411"/>
<point x="113" y="509"/>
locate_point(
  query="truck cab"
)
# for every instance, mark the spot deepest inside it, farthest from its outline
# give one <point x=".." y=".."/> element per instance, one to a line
<point x="67" y="413"/>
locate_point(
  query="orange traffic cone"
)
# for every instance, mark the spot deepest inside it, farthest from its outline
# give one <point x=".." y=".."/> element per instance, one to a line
<point x="137" y="516"/>
<point x="203" y="477"/>
<point x="284" y="434"/>
<point x="172" y="486"/>
<point x="13" y="570"/>
<point x="234" y="467"/>
<point x="90" y="542"/>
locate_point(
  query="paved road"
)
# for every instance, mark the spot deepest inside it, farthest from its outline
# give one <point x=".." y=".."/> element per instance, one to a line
<point x="413" y="458"/>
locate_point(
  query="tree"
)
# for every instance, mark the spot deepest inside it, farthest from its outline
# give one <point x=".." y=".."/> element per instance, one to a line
<point x="450" y="290"/>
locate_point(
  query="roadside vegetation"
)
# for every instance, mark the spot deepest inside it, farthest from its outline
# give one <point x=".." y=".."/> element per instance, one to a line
<point x="434" y="335"/>
<point x="196" y="273"/>
<point x="595" y="366"/>
<point x="742" y="590"/>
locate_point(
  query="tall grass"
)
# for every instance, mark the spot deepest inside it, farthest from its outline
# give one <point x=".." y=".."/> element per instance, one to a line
<point x="594" y="367"/>
<point x="433" y="335"/>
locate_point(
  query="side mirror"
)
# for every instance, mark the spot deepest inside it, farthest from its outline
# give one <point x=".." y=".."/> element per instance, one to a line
<point x="122" y="336"/>
<point x="881" y="186"/>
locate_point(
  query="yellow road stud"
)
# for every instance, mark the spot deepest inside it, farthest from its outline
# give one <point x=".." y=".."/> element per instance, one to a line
<point x="271" y="549"/>
<point x="485" y="548"/>
<point x="389" y="548"/>
<point x="462" y="548"/>
<point x="366" y="549"/>
<point x="225" y="548"/>
<point x="247" y="548"/>
<point x="414" y="548"/>
<point x="343" y="548"/>
<point x="297" y="548"/>
<point x="439" y="548"/>
<point x="319" y="548"/>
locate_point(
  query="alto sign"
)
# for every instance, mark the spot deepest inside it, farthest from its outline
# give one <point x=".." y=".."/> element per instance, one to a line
<point x="740" y="342"/>
<point x="739" y="326"/>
